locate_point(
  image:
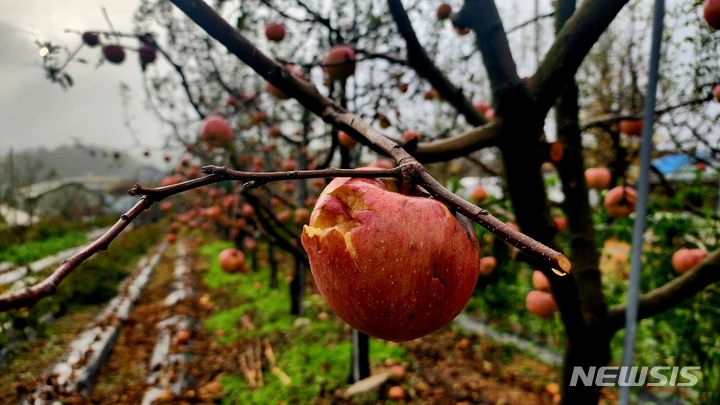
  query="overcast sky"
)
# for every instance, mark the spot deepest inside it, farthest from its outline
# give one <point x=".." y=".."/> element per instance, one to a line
<point x="34" y="111"/>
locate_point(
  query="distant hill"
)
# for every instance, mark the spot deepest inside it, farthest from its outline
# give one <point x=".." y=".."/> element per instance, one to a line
<point x="34" y="165"/>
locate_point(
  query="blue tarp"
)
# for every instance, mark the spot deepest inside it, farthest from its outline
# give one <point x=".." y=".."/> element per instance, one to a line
<point x="671" y="163"/>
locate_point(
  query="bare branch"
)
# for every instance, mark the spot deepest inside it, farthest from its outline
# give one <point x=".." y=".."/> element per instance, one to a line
<point x="419" y="60"/>
<point x="672" y="293"/>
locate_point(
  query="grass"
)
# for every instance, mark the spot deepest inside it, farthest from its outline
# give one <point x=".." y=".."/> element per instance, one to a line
<point x="314" y="354"/>
<point x="37" y="249"/>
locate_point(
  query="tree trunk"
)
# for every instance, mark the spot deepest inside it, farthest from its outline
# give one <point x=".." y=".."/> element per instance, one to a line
<point x="297" y="289"/>
<point x="360" y="358"/>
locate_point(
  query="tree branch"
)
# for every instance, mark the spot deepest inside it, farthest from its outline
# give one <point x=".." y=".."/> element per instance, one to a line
<point x="672" y="293"/>
<point x="483" y="18"/>
<point x="570" y="48"/>
<point x="458" y="145"/>
<point x="419" y="60"/>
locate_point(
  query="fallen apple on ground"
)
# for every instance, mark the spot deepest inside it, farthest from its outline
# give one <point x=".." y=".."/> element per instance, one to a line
<point x="394" y="266"/>
<point x="232" y="260"/>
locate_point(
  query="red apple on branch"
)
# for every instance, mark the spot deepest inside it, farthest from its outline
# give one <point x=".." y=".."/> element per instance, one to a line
<point x="339" y="63"/>
<point x="216" y="131"/>
<point x="275" y="31"/>
<point x="147" y="53"/>
<point x="391" y="265"/>
<point x="90" y="38"/>
<point x="685" y="259"/>
<point x="540" y="281"/>
<point x="598" y="178"/>
<point x="114" y="53"/>
<point x="478" y="194"/>
<point x="620" y="201"/>
<point x="443" y="11"/>
<point x="346" y="140"/>
<point x="632" y="126"/>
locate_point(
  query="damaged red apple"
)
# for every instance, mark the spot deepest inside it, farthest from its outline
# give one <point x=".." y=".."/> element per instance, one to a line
<point x="394" y="266"/>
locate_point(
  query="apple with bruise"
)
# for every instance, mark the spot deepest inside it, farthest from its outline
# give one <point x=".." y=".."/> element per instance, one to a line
<point x="232" y="260"/>
<point x="685" y="259"/>
<point x="394" y="266"/>
<point x="620" y="201"/>
<point x="540" y="303"/>
<point x="598" y="178"/>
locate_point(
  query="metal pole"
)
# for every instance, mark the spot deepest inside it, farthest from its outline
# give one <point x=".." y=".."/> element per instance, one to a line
<point x="643" y="189"/>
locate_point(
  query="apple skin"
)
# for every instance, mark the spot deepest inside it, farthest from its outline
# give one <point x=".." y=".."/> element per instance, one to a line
<point x="232" y="260"/>
<point x="620" y="201"/>
<point x="482" y="107"/>
<point x="114" y="53"/>
<point x="396" y="267"/>
<point x="216" y="131"/>
<point x="711" y="13"/>
<point x="598" y="178"/>
<point x="339" y="63"/>
<point x="631" y="126"/>
<point x="685" y="259"/>
<point x="540" y="303"/>
<point x="275" y="31"/>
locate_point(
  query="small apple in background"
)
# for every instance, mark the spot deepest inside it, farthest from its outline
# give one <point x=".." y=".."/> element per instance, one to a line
<point x="284" y="215"/>
<point x="275" y="31"/>
<point x="685" y="259"/>
<point x="556" y="152"/>
<point x="716" y="92"/>
<point x="90" y="38"/>
<point x="258" y="117"/>
<point x="632" y="126"/>
<point x="598" y="178"/>
<point x="249" y="243"/>
<point x="711" y="12"/>
<point x="302" y="215"/>
<point x="289" y="165"/>
<point x="170" y="180"/>
<point x="274" y="131"/>
<point x="403" y="87"/>
<point x="215" y="131"/>
<point x="396" y="393"/>
<point x="277" y="93"/>
<point x="232" y="260"/>
<point x="620" y="201"/>
<point x="487" y="265"/>
<point x="391" y="265"/>
<point x="560" y="223"/>
<point x="171" y="238"/>
<point x="182" y="336"/>
<point x="310" y="202"/>
<point x="479" y="194"/>
<point x="490" y="114"/>
<point x="339" y="63"/>
<point x="346" y="140"/>
<point x="540" y="303"/>
<point x="443" y="11"/>
<point x="482" y="107"/>
<point x="166" y="206"/>
<point x="247" y="210"/>
<point x="700" y="166"/>
<point x="114" y="53"/>
<point x="432" y="94"/>
<point x="540" y="281"/>
<point x="147" y="53"/>
<point x="412" y="135"/>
